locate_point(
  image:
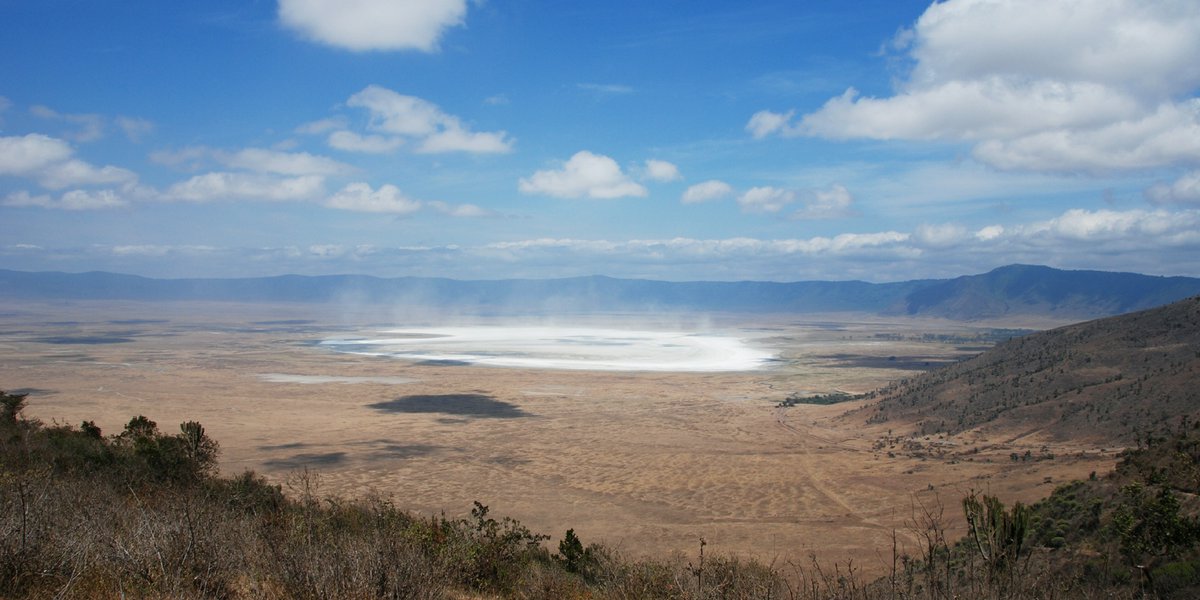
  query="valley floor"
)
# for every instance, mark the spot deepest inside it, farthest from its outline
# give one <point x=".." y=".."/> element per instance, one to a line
<point x="646" y="462"/>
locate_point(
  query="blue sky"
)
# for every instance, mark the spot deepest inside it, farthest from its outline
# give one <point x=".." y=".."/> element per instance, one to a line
<point x="670" y="140"/>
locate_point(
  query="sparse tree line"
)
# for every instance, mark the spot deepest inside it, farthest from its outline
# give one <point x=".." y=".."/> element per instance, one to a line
<point x="143" y="514"/>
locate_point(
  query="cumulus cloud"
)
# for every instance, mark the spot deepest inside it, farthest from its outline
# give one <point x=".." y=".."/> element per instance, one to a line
<point x="941" y="235"/>
<point x="218" y="186"/>
<point x="90" y="126"/>
<point x="765" y="122"/>
<point x="1170" y="135"/>
<point x="661" y="170"/>
<point x="72" y="200"/>
<point x="188" y="157"/>
<point x="989" y="233"/>
<point x="765" y="199"/>
<point x="360" y="197"/>
<point x="135" y="129"/>
<point x="1050" y="85"/>
<point x="833" y="203"/>
<point x="397" y="114"/>
<point x="27" y="154"/>
<point x="456" y="139"/>
<point x="77" y="172"/>
<point x="362" y="25"/>
<point x="1185" y="190"/>
<point x="706" y="191"/>
<point x="367" y="144"/>
<point x="282" y="163"/>
<point x="466" y="211"/>
<point x="321" y="126"/>
<point x="1109" y="225"/>
<point x="49" y="161"/>
<point x="584" y="175"/>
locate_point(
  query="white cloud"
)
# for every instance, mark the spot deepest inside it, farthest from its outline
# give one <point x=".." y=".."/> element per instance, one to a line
<point x="833" y="203"/>
<point x="72" y="200"/>
<point x="1134" y="240"/>
<point x="705" y="191"/>
<point x="160" y="250"/>
<point x="398" y="114"/>
<point x="367" y="144"/>
<point x="606" y="88"/>
<point x="467" y="211"/>
<point x="993" y="107"/>
<point x="1042" y="85"/>
<point x="48" y="160"/>
<point x="362" y="25"/>
<point x="765" y="199"/>
<point x="23" y="198"/>
<point x="322" y="126"/>
<point x="90" y="200"/>
<point x="188" y="157"/>
<point x="1109" y="225"/>
<point x="989" y="233"/>
<point x="77" y="172"/>
<point x="134" y="128"/>
<point x="361" y="198"/>
<point x="91" y="127"/>
<point x="25" y="155"/>
<point x="765" y="122"/>
<point x="456" y="139"/>
<point x="584" y="175"/>
<point x="245" y="186"/>
<point x="282" y="163"/>
<point x="1185" y="190"/>
<point x="940" y="236"/>
<point x="1148" y="46"/>
<point x="661" y="170"/>
<point x="1168" y="136"/>
<point x="1109" y="240"/>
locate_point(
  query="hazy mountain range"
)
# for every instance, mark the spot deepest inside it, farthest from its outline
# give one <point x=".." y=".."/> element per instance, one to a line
<point x="1005" y="291"/>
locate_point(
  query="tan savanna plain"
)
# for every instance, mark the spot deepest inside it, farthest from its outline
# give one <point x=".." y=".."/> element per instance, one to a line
<point x="645" y="462"/>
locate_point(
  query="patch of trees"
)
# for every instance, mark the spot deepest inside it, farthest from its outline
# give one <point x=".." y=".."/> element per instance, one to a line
<point x="822" y="399"/>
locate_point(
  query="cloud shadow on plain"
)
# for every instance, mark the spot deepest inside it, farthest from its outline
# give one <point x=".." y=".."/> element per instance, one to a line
<point x="467" y="405"/>
<point x="299" y="461"/>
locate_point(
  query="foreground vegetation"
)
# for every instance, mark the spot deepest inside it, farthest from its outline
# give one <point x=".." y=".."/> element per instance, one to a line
<point x="143" y="514"/>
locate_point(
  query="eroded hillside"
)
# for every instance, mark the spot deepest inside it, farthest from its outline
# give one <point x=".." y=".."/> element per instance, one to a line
<point x="1112" y="379"/>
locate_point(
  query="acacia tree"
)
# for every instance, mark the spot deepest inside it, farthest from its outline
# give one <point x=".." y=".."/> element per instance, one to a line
<point x="185" y="457"/>
<point x="11" y="406"/>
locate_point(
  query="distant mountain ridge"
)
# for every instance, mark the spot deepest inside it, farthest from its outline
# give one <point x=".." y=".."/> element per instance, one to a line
<point x="1005" y="291"/>
<point x="1028" y="289"/>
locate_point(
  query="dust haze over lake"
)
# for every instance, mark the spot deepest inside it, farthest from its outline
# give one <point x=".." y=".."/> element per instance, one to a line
<point x="594" y="423"/>
<point x="565" y="347"/>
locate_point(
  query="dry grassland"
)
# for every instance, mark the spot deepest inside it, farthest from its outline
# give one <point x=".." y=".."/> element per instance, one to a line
<point x="645" y="462"/>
